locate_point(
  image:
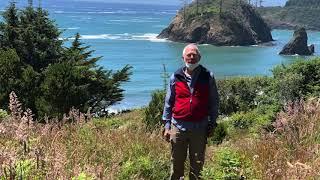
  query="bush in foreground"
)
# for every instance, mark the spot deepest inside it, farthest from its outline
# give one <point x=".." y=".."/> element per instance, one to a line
<point x="154" y="111"/>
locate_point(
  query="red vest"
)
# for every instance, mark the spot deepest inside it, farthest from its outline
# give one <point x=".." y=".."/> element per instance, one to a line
<point x="191" y="107"/>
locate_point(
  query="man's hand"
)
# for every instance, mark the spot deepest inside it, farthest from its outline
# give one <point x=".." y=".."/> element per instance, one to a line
<point x="166" y="135"/>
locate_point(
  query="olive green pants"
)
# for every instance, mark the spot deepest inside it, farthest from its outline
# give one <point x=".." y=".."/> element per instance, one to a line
<point x="181" y="142"/>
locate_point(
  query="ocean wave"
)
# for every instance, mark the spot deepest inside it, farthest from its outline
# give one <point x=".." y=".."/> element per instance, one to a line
<point x="58" y="12"/>
<point x="112" y="12"/>
<point x="133" y="20"/>
<point x="100" y="12"/>
<point x="125" y="37"/>
<point x="70" y="28"/>
<point x="165" y="13"/>
<point x="160" y="26"/>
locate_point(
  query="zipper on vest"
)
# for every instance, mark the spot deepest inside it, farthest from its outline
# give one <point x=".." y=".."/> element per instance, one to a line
<point x="190" y="104"/>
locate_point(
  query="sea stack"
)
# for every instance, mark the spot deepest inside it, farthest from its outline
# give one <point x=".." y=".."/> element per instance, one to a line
<point x="204" y="22"/>
<point x="298" y="44"/>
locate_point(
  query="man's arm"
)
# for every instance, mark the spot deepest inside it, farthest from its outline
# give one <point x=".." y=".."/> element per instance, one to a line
<point x="213" y="102"/>
<point x="168" y="104"/>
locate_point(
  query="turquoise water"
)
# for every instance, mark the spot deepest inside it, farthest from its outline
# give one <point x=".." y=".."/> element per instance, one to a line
<point x="126" y="34"/>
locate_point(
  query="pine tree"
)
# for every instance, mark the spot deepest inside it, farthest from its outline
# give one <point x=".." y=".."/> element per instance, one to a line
<point x="10" y="68"/>
<point x="40" y="37"/>
<point x="49" y="78"/>
<point x="9" y="28"/>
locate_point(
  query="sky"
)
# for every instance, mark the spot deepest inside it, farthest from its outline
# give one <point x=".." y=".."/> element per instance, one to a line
<point x="163" y="2"/>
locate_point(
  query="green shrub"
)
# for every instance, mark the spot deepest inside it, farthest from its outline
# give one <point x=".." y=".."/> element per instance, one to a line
<point x="144" y="167"/>
<point x="219" y="133"/>
<point x="297" y="80"/>
<point x="83" y="176"/>
<point x="154" y="111"/>
<point x="109" y="123"/>
<point x="3" y="114"/>
<point x="25" y="169"/>
<point x="253" y="121"/>
<point x="241" y="93"/>
<point x="139" y="164"/>
<point x="227" y="164"/>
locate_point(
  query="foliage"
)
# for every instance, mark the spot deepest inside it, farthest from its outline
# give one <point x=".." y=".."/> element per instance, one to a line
<point x="228" y="164"/>
<point x="144" y="167"/>
<point x="252" y="103"/>
<point x="291" y="151"/>
<point x="303" y="3"/>
<point x="240" y="93"/>
<point x="24" y="168"/>
<point x="83" y="176"/>
<point x="3" y="114"/>
<point x="252" y="121"/>
<point x="51" y="78"/>
<point x="10" y="74"/>
<point x="219" y="134"/>
<point x="154" y="111"/>
<point x="295" y="13"/>
<point x="298" y="80"/>
<point x="101" y="150"/>
<point x="138" y="164"/>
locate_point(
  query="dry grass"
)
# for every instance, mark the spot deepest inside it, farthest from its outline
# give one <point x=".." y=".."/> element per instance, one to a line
<point x="74" y="146"/>
<point x="292" y="151"/>
<point x="110" y="148"/>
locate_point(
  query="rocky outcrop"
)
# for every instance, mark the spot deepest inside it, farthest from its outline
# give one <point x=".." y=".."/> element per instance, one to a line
<point x="298" y="44"/>
<point x="238" y="27"/>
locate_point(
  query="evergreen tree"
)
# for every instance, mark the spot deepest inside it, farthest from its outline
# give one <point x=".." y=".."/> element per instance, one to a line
<point x="10" y="68"/>
<point x="49" y="78"/>
<point x="40" y="36"/>
<point x="9" y="28"/>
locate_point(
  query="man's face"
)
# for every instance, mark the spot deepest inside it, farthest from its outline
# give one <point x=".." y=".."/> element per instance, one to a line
<point x="191" y="56"/>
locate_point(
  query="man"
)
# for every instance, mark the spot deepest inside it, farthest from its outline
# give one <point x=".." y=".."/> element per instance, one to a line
<point x="190" y="112"/>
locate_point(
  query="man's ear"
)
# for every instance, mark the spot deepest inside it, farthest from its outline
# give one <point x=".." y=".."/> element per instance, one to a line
<point x="199" y="57"/>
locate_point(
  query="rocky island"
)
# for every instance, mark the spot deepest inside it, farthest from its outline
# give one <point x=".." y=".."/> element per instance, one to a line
<point x="230" y="23"/>
<point x="298" y="44"/>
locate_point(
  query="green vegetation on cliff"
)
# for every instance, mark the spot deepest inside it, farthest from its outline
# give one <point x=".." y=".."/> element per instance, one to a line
<point x="295" y="13"/>
<point x="303" y="3"/>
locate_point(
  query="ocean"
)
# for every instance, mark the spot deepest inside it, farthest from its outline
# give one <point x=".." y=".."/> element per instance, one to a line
<point x="126" y="34"/>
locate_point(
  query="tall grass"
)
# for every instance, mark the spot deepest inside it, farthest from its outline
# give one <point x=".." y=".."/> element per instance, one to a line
<point x="121" y="147"/>
<point x="80" y="146"/>
<point x="292" y="150"/>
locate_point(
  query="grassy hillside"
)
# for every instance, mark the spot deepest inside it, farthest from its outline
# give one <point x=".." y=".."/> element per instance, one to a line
<point x="259" y="141"/>
<point x="121" y="148"/>
<point x="294" y="13"/>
